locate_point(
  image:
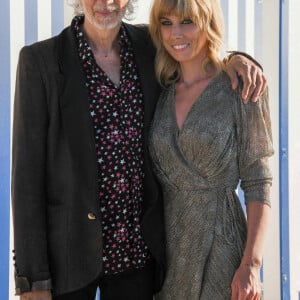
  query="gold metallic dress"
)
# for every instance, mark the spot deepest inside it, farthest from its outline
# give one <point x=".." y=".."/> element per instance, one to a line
<point x="199" y="166"/>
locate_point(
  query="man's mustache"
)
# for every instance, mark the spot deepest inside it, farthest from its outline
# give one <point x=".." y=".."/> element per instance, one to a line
<point x="108" y="8"/>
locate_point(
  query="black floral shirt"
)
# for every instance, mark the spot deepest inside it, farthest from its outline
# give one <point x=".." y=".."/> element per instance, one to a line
<point x="117" y="117"/>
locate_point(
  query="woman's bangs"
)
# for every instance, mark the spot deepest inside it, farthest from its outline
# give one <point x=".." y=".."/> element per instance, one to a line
<point x="179" y="8"/>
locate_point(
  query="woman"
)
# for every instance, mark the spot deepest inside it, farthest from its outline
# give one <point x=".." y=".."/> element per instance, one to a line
<point x="203" y="141"/>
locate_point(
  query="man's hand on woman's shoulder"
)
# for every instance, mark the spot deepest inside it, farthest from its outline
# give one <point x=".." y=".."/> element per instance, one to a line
<point x="251" y="72"/>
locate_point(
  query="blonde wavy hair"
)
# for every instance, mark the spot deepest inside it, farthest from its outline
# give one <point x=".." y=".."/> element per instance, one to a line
<point x="206" y="14"/>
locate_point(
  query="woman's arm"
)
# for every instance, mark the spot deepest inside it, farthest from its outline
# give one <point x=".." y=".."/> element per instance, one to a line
<point x="255" y="147"/>
<point x="246" y="282"/>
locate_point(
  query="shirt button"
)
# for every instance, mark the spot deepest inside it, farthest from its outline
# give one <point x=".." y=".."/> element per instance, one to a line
<point x="91" y="216"/>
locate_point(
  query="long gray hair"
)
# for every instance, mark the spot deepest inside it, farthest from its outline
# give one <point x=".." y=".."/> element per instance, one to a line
<point x="79" y="11"/>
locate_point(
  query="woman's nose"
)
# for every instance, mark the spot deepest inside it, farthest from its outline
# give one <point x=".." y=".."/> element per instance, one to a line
<point x="176" y="31"/>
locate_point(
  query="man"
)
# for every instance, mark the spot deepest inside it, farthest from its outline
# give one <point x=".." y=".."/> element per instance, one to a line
<point x="87" y="208"/>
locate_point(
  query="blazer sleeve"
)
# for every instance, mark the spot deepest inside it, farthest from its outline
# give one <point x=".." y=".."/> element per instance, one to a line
<point x="29" y="182"/>
<point x="255" y="148"/>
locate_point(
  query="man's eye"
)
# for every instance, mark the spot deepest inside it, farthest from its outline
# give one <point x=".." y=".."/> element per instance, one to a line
<point x="187" y="21"/>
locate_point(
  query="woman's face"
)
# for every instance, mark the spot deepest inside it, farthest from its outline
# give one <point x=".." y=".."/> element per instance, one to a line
<point x="104" y="14"/>
<point x="182" y="39"/>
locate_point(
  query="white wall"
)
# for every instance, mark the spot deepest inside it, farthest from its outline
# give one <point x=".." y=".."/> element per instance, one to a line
<point x="270" y="61"/>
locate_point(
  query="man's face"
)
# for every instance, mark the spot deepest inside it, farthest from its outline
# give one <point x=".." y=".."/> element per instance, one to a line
<point x="104" y="14"/>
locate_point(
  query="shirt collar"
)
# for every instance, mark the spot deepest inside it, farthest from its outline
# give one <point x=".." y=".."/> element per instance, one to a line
<point x="85" y="51"/>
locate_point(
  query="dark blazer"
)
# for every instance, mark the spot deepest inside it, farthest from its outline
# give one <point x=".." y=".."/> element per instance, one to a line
<point x="57" y="231"/>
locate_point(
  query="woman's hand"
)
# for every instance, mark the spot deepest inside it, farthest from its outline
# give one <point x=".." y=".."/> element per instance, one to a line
<point x="246" y="283"/>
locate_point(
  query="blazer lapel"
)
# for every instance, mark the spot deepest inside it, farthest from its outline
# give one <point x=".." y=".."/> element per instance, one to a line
<point x="74" y="107"/>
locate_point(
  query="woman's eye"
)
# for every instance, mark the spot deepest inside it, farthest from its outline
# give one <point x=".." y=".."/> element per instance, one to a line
<point x="165" y="23"/>
<point x="187" y="21"/>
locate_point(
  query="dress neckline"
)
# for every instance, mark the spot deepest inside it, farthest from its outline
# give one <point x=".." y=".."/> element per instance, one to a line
<point x="199" y="99"/>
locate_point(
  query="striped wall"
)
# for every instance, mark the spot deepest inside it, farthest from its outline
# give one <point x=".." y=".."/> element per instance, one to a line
<point x="267" y="29"/>
<point x="292" y="96"/>
<point x="284" y="152"/>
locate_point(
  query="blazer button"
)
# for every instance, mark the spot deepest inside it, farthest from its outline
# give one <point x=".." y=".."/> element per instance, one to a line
<point x="91" y="216"/>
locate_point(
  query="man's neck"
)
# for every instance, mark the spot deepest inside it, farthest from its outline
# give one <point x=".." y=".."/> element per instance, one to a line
<point x="101" y="40"/>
